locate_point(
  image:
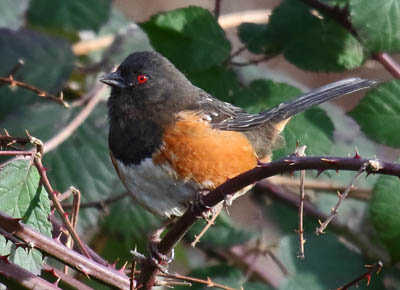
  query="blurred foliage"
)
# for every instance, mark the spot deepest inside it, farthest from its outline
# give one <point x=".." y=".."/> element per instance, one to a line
<point x="42" y="33"/>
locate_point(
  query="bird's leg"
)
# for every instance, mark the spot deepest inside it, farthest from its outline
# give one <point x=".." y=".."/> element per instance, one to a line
<point x="198" y="205"/>
<point x="158" y="259"/>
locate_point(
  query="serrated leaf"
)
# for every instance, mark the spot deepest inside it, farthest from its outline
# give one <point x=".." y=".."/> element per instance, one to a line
<point x="222" y="234"/>
<point x="377" y="23"/>
<point x="385" y="214"/>
<point x="190" y="37"/>
<point x="218" y="81"/>
<point x="11" y="13"/>
<point x="258" y="38"/>
<point x="311" y="42"/>
<point x="48" y="64"/>
<point x="324" y="254"/>
<point x="71" y="15"/>
<point x="21" y="196"/>
<point x="378" y="113"/>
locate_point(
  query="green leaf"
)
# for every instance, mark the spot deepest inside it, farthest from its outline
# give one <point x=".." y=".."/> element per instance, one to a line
<point x="11" y="13"/>
<point x="48" y="64"/>
<point x="71" y="15"/>
<point x="82" y="160"/>
<point x="378" y="113"/>
<point x="262" y="94"/>
<point x="218" y="81"/>
<point x="313" y="43"/>
<point x="222" y="234"/>
<point x="190" y="37"/>
<point x="258" y="38"/>
<point x="328" y="264"/>
<point x="385" y="214"/>
<point x="129" y="229"/>
<point x="377" y="23"/>
<point x="22" y="197"/>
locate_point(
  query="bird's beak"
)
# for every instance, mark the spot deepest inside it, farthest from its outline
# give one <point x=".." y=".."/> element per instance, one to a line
<point x="113" y="79"/>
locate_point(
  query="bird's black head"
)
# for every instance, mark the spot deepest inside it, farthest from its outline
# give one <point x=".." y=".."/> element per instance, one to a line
<point x="145" y="77"/>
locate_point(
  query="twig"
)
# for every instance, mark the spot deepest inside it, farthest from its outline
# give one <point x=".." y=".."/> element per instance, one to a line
<point x="389" y="63"/>
<point x="178" y="230"/>
<point x="208" y="282"/>
<point x="77" y="121"/>
<point x="217" y="8"/>
<point x="132" y="274"/>
<point x="41" y="93"/>
<point x="74" y="219"/>
<point x="367" y="247"/>
<point x="60" y="252"/>
<point x="208" y="225"/>
<point x="367" y="275"/>
<point x="15" y="277"/>
<point x="342" y="197"/>
<point x="100" y="204"/>
<point x="300" y="152"/>
<point x="53" y="196"/>
<point x="322" y="185"/>
<point x="252" y="62"/>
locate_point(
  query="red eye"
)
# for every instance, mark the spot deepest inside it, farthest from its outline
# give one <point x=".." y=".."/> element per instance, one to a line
<point x="142" y="79"/>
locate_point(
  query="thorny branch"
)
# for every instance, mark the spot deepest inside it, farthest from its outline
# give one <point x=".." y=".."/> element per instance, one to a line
<point x="264" y="170"/>
<point x="300" y="152"/>
<point x="41" y="93"/>
<point x="60" y="252"/>
<point x="342" y="197"/>
<point x="367" y="275"/>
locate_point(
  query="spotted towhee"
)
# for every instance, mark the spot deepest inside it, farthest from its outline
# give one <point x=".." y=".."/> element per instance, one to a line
<point x="170" y="140"/>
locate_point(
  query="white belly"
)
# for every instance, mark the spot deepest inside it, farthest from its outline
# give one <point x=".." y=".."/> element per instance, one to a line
<point x="156" y="187"/>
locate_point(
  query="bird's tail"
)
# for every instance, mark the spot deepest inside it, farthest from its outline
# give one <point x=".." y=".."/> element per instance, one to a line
<point x="285" y="110"/>
<point x="316" y="97"/>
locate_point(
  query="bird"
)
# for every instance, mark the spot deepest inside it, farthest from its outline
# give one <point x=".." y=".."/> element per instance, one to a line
<point x="170" y="140"/>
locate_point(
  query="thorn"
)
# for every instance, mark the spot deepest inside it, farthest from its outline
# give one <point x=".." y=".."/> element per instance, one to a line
<point x="357" y="155"/>
<point x="83" y="270"/>
<point x="123" y="268"/>
<point x="4" y="258"/>
<point x="339" y="194"/>
<point x="52" y="272"/>
<point x="58" y="238"/>
<point x="319" y="171"/>
<point x="61" y="96"/>
<point x="57" y="281"/>
<point x="368" y="279"/>
<point x="27" y="133"/>
<point x="114" y="265"/>
<point x="320" y="222"/>
<point x="41" y="94"/>
<point x="6" y="132"/>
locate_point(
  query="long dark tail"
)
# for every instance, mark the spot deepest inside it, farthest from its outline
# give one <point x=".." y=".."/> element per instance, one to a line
<point x="299" y="104"/>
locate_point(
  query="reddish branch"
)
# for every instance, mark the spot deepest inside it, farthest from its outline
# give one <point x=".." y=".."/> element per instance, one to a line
<point x="178" y="230"/>
<point x="367" y="276"/>
<point x="41" y="93"/>
<point x="60" y="252"/>
<point x="16" y="277"/>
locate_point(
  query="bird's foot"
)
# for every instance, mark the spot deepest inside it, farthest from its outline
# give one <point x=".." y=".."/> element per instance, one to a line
<point x="199" y="208"/>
